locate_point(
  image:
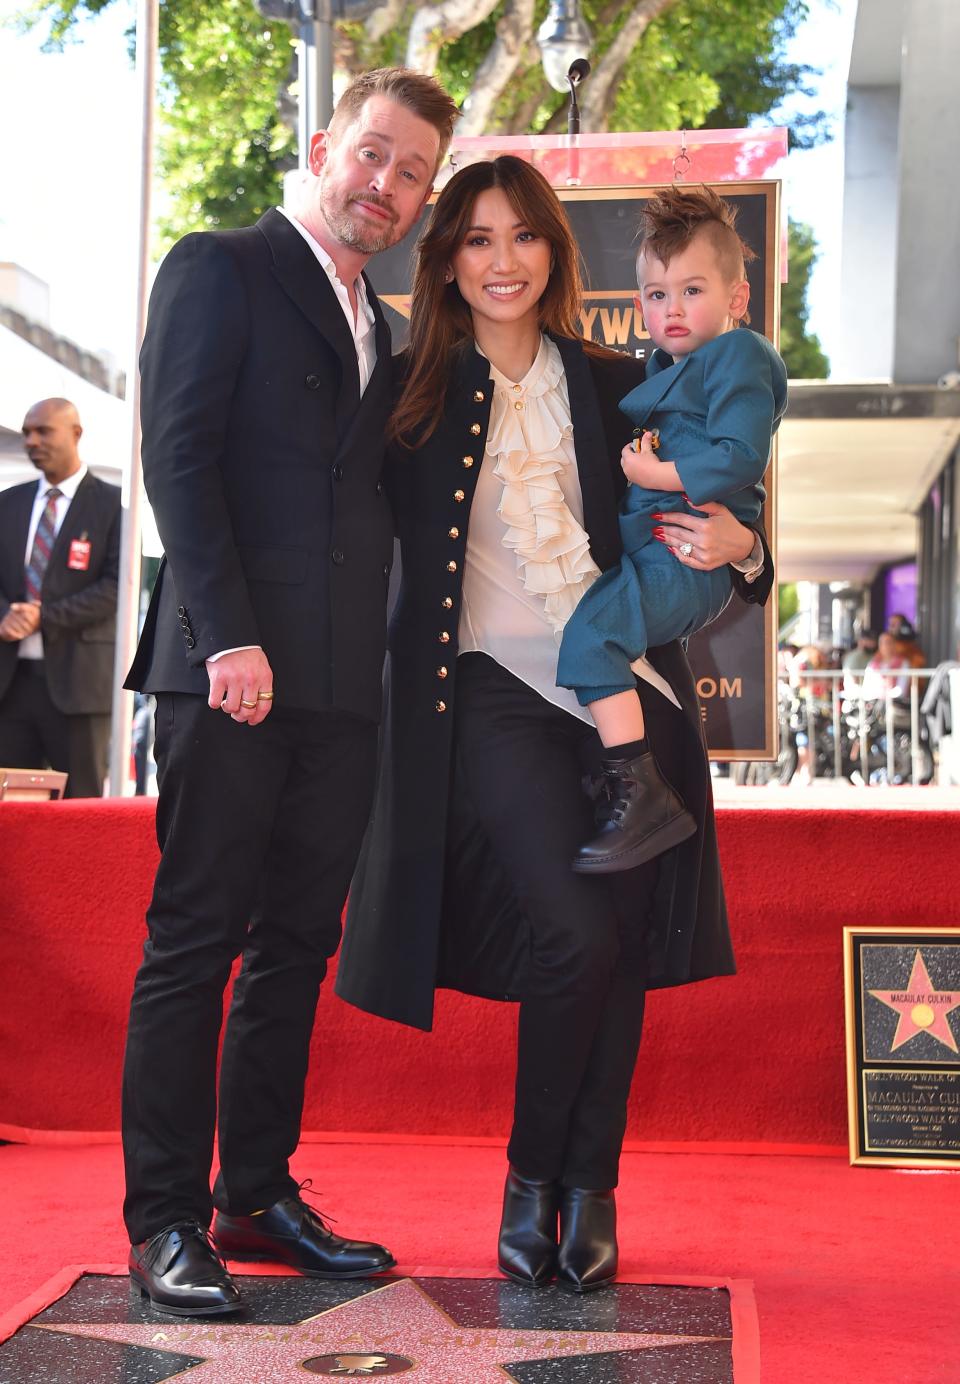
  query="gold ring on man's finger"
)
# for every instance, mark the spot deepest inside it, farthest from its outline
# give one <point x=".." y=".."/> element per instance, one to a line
<point x="251" y="706"/>
<point x="264" y="696"/>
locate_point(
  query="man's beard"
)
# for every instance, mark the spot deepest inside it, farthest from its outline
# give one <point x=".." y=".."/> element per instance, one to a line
<point x="353" y="233"/>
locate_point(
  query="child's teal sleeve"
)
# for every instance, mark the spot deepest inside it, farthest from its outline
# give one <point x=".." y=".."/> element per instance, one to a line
<point x="745" y="388"/>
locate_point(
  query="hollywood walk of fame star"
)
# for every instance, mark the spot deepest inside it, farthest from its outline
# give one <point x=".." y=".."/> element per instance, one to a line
<point x="922" y="1009"/>
<point x="399" y="1318"/>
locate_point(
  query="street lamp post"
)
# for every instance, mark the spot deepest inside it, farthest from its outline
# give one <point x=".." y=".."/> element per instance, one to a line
<point x="564" y="41"/>
<point x="313" y="22"/>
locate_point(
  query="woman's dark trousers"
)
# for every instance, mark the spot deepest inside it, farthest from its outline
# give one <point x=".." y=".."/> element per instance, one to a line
<point x="521" y="761"/>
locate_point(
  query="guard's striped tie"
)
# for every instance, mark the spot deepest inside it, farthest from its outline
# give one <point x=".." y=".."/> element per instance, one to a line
<point x="42" y="545"/>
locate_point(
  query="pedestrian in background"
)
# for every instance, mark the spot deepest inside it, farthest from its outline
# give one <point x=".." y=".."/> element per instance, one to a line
<point x="59" y="563"/>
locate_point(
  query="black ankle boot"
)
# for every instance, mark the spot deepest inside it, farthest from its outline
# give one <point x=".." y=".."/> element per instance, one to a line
<point x="587" y="1257"/>
<point x="528" y="1230"/>
<point x="645" y="817"/>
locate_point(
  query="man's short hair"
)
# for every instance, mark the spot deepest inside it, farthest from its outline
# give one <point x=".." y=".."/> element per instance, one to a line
<point x="422" y="95"/>
<point x="670" y="221"/>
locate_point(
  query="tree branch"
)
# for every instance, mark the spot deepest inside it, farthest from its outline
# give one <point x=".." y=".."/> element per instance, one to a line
<point x="435" y="25"/>
<point x="557" y="124"/>
<point x="522" y="117"/>
<point x="601" y="89"/>
<point x="514" y="31"/>
<point x="384" y="18"/>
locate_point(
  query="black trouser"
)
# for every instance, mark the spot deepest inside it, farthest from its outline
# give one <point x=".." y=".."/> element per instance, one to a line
<point x="522" y="760"/>
<point x="34" y="733"/>
<point x="259" y="829"/>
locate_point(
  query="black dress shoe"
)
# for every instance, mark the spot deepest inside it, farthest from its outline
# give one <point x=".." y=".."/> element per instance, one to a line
<point x="644" y="818"/>
<point x="180" y="1271"/>
<point x="588" y="1239"/>
<point x="291" y="1232"/>
<point x="527" y="1250"/>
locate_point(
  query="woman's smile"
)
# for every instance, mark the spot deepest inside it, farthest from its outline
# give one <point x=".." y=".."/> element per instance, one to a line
<point x="505" y="290"/>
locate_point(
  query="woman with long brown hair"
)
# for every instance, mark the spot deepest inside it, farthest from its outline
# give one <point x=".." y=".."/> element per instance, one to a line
<point x="505" y="479"/>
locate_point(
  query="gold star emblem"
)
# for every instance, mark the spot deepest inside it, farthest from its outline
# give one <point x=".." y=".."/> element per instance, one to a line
<point x="360" y="1364"/>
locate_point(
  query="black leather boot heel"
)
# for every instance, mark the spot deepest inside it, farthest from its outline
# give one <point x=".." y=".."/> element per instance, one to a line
<point x="588" y="1252"/>
<point x="527" y="1249"/>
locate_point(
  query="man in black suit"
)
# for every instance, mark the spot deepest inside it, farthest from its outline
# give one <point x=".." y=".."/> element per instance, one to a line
<point x="59" y="559"/>
<point x="265" y="398"/>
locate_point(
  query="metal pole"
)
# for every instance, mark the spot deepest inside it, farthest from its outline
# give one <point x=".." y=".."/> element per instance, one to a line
<point x="864" y="741"/>
<point x="324" y="107"/>
<point x="128" y="594"/>
<point x="914" y="728"/>
<point x="314" y="73"/>
<point x="888" y="709"/>
<point x="307" y="82"/>
<point x="837" y="747"/>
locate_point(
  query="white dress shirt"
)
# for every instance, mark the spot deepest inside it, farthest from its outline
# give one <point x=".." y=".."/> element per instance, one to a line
<point x="361" y="326"/>
<point x="32" y="646"/>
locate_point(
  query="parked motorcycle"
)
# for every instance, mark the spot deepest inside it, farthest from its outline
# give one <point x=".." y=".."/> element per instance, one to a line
<point x="806" y="722"/>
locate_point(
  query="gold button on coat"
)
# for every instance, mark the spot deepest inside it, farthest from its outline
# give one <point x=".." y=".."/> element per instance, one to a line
<point x="518" y="404"/>
<point x="447" y="602"/>
<point x="459" y="496"/>
<point x="468" y="462"/>
<point x="441" y="706"/>
<point x="453" y="533"/>
<point x="444" y="637"/>
<point x="478" y="396"/>
<point x="475" y="429"/>
<point x="441" y="672"/>
<point x="451" y="566"/>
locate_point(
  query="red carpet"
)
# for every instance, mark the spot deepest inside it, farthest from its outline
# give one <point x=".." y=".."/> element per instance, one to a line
<point x="758" y="1058"/>
<point x="854" y="1270"/>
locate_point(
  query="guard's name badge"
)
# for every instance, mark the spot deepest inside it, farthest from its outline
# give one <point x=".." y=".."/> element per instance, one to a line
<point x="78" y="559"/>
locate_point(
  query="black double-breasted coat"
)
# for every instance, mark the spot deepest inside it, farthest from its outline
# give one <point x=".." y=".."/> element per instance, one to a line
<point x="263" y="465"/>
<point x="429" y="906"/>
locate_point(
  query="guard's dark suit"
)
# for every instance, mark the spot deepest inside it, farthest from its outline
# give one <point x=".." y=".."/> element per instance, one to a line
<point x="58" y="708"/>
<point x="262" y="464"/>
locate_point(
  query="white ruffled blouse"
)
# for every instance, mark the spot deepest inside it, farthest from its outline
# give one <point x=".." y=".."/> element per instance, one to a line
<point x="528" y="555"/>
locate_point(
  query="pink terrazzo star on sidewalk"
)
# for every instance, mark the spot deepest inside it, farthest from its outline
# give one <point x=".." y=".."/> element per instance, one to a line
<point x="397" y="1320"/>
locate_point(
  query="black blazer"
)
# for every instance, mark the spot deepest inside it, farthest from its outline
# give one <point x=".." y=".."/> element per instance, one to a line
<point x="263" y="467"/>
<point x="78" y="609"/>
<point x="429" y="906"/>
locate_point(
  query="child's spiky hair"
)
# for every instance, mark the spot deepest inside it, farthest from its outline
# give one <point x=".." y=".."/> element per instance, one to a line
<point x="669" y="222"/>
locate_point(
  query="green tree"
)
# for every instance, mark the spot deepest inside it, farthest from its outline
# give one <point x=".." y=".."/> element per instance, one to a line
<point x="227" y="133"/>
<point x="788" y="602"/>
<point x="800" y="350"/>
<point x="228" y="111"/>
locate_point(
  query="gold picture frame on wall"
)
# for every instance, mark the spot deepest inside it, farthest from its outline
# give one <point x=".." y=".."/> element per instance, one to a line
<point x="902" y="1011"/>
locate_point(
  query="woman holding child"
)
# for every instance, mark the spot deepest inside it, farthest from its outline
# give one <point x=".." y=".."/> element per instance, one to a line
<point x="506" y="475"/>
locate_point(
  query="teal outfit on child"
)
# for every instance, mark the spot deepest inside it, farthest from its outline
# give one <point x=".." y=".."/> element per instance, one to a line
<point x="717" y="410"/>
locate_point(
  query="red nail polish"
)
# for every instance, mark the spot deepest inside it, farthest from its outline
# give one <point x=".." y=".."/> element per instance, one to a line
<point x="656" y="516"/>
<point x="660" y="534"/>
